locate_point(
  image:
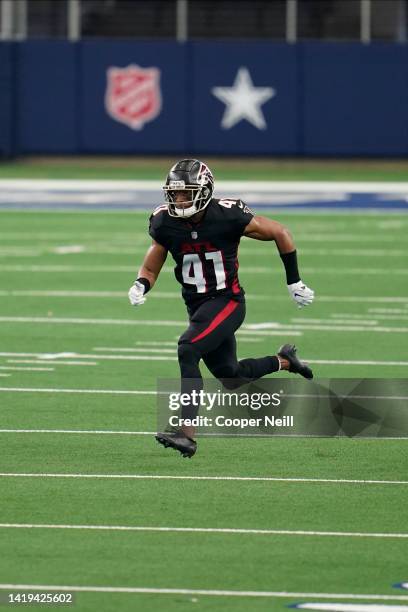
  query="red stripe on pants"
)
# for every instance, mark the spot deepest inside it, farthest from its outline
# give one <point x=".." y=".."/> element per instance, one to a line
<point x="221" y="316"/>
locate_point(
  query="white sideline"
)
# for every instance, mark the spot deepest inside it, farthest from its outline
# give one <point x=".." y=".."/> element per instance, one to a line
<point x="288" y="327"/>
<point x="130" y="269"/>
<point x="220" y="478"/>
<point x="246" y="328"/>
<point x="177" y="294"/>
<point x="112" y="357"/>
<point x="81" y="431"/>
<point x="41" y="360"/>
<point x="138" y="392"/>
<point x="89" y="321"/>
<point x="21" y="251"/>
<point x="216" y="530"/>
<point x="139" y="238"/>
<point x="103" y="238"/>
<point x="59" y="362"/>
<point x="143" y="349"/>
<point x="115" y="432"/>
<point x="351" y="607"/>
<point x="364" y="362"/>
<point x="27" y="369"/>
<point x="102" y="185"/>
<point x="213" y="592"/>
<point x="102" y="391"/>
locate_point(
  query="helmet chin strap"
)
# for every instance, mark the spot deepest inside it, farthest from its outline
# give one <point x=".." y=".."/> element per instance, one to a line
<point x="186" y="212"/>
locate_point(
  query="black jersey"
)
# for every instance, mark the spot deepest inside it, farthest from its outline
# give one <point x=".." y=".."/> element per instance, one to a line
<point x="206" y="252"/>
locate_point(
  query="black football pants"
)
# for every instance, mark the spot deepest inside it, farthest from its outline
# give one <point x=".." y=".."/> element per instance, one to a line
<point x="210" y="337"/>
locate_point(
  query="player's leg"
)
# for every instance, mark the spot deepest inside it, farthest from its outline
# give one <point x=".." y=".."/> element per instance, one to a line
<point x="224" y="365"/>
<point x="210" y="335"/>
<point x="210" y="325"/>
<point x="207" y="329"/>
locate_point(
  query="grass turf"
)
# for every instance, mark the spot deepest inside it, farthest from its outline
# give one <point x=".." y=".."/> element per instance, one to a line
<point x="343" y="258"/>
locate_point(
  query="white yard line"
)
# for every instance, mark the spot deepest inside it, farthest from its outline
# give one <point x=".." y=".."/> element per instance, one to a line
<point x="215" y="530"/>
<point x="287" y="328"/>
<point x="177" y="294"/>
<point x="337" y="320"/>
<point x="215" y="478"/>
<point x="376" y="317"/>
<point x="111" y="357"/>
<point x="138" y="392"/>
<point x="134" y="250"/>
<point x="376" y="215"/>
<point x="152" y="433"/>
<point x="243" y="333"/>
<point x="390" y="310"/>
<point x="59" y="362"/>
<point x="140" y="240"/>
<point x="80" y="431"/>
<point x="350" y="607"/>
<point x="89" y="391"/>
<point x="275" y="327"/>
<point x="397" y="398"/>
<point x="137" y="238"/>
<point x="27" y="369"/>
<point x="152" y="343"/>
<point x="154" y="186"/>
<point x="210" y="592"/>
<point x="174" y="342"/>
<point x="131" y="270"/>
<point x="89" y="321"/>
<point x="360" y="362"/>
<point x="137" y="350"/>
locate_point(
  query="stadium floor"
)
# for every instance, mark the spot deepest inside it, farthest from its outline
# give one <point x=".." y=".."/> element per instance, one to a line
<point x="89" y="500"/>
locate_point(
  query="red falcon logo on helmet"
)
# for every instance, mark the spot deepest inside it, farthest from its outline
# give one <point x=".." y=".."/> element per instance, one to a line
<point x="133" y="95"/>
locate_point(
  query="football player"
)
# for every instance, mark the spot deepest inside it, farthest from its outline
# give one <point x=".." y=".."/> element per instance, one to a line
<point x="202" y="233"/>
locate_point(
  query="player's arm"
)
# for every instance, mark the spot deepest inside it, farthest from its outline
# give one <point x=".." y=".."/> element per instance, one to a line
<point x="148" y="273"/>
<point x="261" y="228"/>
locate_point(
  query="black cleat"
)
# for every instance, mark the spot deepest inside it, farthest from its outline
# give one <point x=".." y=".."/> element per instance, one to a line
<point x="288" y="351"/>
<point x="179" y="441"/>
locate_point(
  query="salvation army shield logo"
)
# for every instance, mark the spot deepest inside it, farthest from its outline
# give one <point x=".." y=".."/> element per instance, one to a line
<point x="133" y="95"/>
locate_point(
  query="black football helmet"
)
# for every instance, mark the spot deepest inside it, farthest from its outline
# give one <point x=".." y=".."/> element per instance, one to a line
<point x="189" y="175"/>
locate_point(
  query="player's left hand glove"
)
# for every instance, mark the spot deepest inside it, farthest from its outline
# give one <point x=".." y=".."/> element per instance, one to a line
<point x="136" y="294"/>
<point x="301" y="294"/>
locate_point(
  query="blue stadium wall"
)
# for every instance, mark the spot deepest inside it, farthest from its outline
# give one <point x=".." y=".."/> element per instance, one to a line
<point x="257" y="98"/>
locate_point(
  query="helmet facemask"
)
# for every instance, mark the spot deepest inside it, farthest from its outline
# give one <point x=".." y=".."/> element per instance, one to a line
<point x="197" y="200"/>
<point x="190" y="176"/>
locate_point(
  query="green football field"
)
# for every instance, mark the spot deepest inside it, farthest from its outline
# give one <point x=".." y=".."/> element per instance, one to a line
<point x="89" y="499"/>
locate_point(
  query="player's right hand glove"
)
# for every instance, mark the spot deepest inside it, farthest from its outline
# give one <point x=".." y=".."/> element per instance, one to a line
<point x="302" y="295"/>
<point x="136" y="294"/>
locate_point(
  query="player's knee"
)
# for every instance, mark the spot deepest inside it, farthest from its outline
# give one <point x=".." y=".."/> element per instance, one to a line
<point x="227" y="375"/>
<point x="187" y="353"/>
<point x="232" y="383"/>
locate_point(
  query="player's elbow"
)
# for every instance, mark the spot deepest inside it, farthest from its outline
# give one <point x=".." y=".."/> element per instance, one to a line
<point x="283" y="239"/>
<point x="281" y="233"/>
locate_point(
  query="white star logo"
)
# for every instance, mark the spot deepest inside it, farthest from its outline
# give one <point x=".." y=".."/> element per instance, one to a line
<point x="243" y="101"/>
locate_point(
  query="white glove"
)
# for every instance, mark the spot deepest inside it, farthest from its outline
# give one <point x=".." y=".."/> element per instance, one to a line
<point x="136" y="294"/>
<point x="302" y="295"/>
